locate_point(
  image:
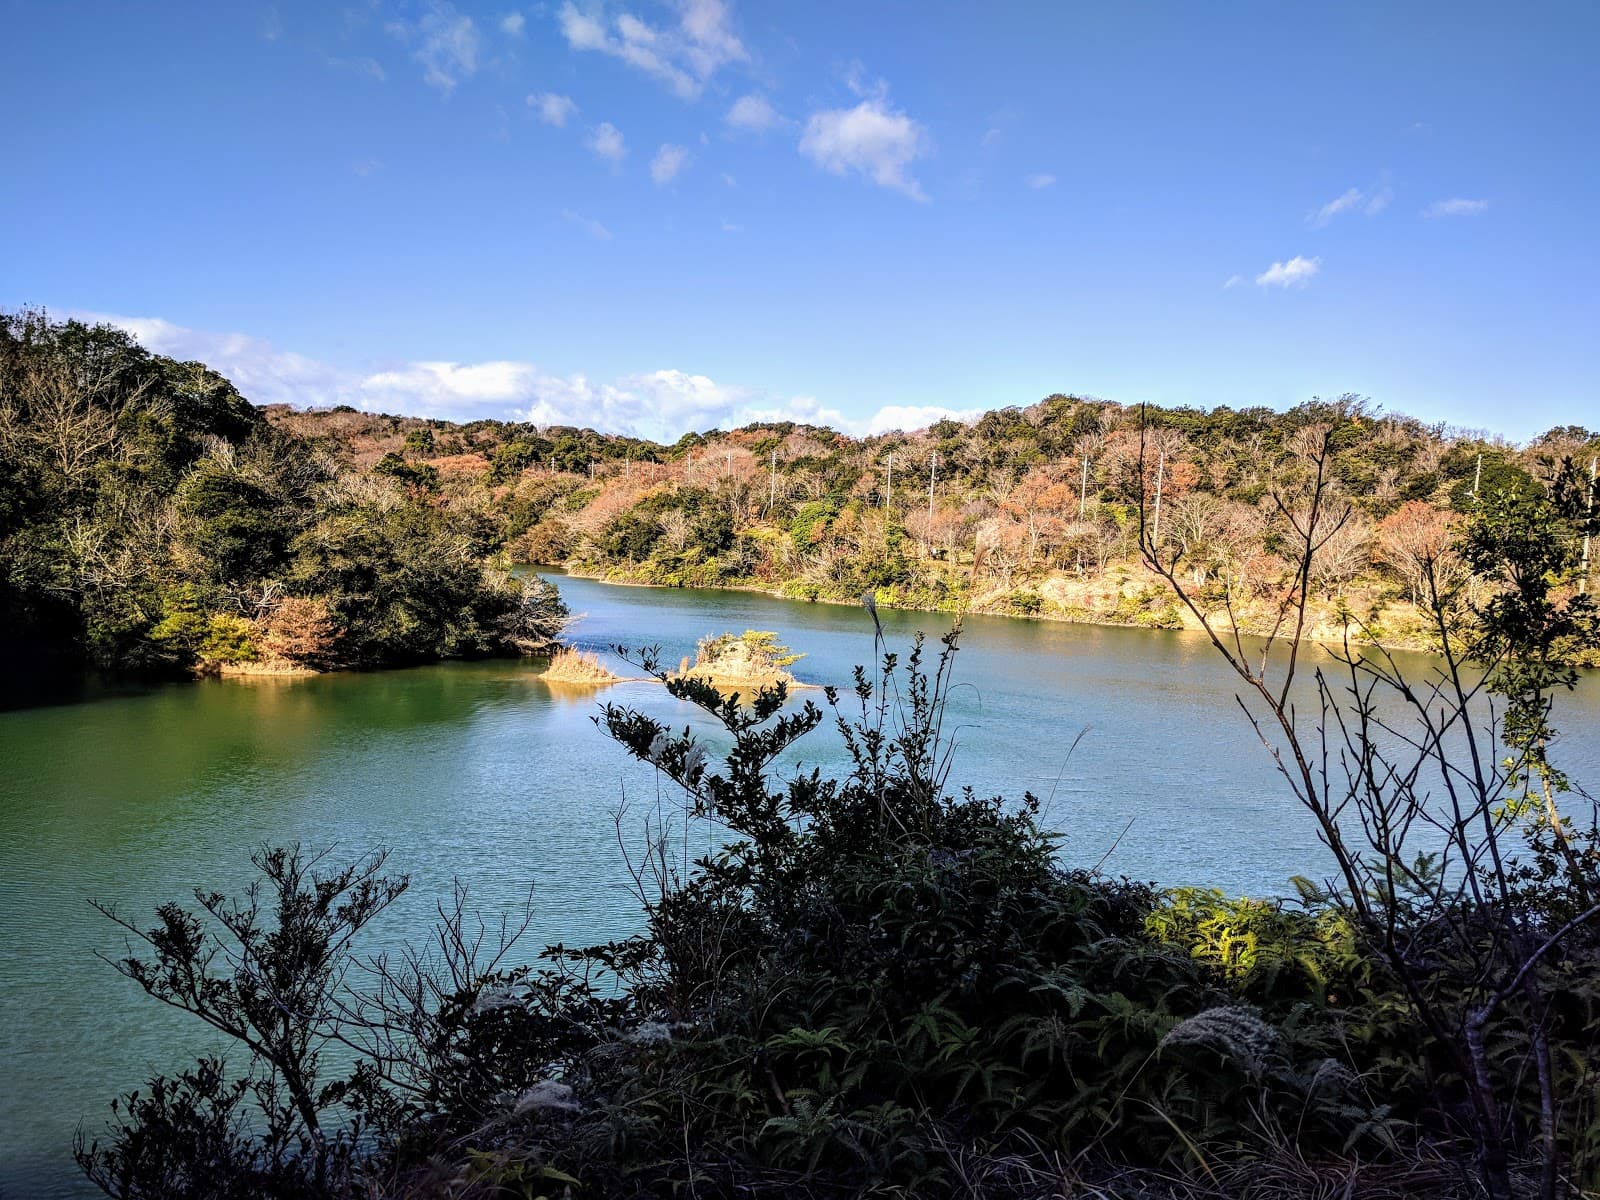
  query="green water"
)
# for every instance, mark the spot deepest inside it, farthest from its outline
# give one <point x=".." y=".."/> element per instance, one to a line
<point x="480" y="771"/>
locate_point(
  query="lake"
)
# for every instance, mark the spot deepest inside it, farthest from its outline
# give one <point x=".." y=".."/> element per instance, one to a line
<point x="479" y="770"/>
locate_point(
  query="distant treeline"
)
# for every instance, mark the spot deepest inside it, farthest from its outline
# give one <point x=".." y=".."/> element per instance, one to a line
<point x="1030" y="511"/>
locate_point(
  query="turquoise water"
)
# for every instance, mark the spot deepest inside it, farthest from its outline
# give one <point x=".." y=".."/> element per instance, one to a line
<point x="479" y="770"/>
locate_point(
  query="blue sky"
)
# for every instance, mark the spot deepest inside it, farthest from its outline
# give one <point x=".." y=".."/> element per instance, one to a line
<point x="670" y="214"/>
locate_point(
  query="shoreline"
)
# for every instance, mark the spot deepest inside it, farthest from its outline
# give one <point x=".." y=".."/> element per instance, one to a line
<point x="1409" y="646"/>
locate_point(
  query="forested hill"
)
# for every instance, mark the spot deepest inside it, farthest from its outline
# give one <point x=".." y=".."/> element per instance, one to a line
<point x="1029" y="511"/>
<point x="152" y="518"/>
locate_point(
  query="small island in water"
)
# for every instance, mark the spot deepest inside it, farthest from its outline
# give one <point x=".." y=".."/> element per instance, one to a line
<point x="751" y="660"/>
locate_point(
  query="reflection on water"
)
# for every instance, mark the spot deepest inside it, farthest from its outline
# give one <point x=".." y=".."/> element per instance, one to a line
<point x="137" y="794"/>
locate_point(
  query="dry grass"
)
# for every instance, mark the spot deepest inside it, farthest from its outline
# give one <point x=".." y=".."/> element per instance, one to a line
<point x="577" y="667"/>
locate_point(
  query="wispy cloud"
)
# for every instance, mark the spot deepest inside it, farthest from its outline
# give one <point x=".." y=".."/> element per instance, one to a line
<point x="1456" y="206"/>
<point x="588" y="224"/>
<point x="1378" y="198"/>
<point x="263" y="372"/>
<point x="513" y="24"/>
<point x="753" y="113"/>
<point x="1339" y="204"/>
<point x="446" y="44"/>
<point x="606" y="141"/>
<point x="1297" y="272"/>
<point x="909" y="417"/>
<point x="1040" y="181"/>
<point x="1370" y="201"/>
<point x="366" y="166"/>
<point x="667" y="163"/>
<point x="551" y="108"/>
<point x="871" y="139"/>
<point x="661" y="404"/>
<point x="683" y="56"/>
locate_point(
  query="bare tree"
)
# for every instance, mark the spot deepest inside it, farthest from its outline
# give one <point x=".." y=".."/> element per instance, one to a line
<point x="1419" y="788"/>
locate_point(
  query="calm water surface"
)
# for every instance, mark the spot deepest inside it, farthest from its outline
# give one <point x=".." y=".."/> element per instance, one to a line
<point x="480" y="770"/>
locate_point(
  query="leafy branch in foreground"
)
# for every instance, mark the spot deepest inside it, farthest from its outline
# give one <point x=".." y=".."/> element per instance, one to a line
<point x="267" y="971"/>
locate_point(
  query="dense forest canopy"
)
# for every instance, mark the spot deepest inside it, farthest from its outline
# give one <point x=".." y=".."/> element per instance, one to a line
<point x="151" y="517"/>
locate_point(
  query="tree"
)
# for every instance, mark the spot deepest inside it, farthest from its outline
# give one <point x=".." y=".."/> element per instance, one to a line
<point x="267" y="970"/>
<point x="301" y="630"/>
<point x="1415" y="539"/>
<point x="1415" y="801"/>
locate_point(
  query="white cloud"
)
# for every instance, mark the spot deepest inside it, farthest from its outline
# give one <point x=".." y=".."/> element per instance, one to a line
<point x="683" y="57"/>
<point x="1040" y="181"/>
<point x="1297" y="272"/>
<point x="513" y="23"/>
<point x="606" y="142"/>
<point x="910" y="417"/>
<point x="665" y="404"/>
<point x="660" y="404"/>
<point x="551" y="108"/>
<point x="447" y="44"/>
<point x="1339" y="204"/>
<point x="1233" y="281"/>
<point x="448" y="386"/>
<point x="366" y="166"/>
<point x="669" y="160"/>
<point x="871" y="139"/>
<point x="730" y="227"/>
<point x="261" y="371"/>
<point x="1379" y="197"/>
<point x="754" y="113"/>
<point x="1371" y="201"/>
<point x="1456" y="206"/>
<point x="588" y="224"/>
<point x="711" y="40"/>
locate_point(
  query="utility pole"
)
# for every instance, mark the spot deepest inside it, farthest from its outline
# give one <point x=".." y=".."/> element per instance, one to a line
<point x="1477" y="477"/>
<point x="888" y="494"/>
<point x="1161" y="472"/>
<point x="772" y="487"/>
<point x="1588" y="512"/>
<point x="1083" y="489"/>
<point x="933" y="472"/>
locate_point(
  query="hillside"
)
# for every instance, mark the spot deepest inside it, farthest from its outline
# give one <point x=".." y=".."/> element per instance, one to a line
<point x="152" y="519"/>
<point x="1026" y="511"/>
